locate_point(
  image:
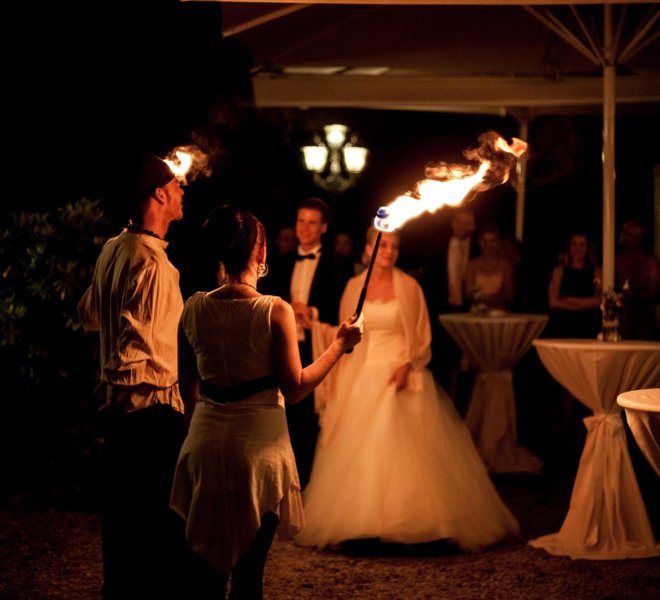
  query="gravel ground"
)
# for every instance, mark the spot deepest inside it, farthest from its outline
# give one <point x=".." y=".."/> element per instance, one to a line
<point x="55" y="555"/>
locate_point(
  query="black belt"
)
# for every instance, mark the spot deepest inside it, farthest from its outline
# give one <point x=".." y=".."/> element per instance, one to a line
<point x="239" y="391"/>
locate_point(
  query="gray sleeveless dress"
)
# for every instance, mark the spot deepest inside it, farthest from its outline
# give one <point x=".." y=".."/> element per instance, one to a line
<point x="236" y="463"/>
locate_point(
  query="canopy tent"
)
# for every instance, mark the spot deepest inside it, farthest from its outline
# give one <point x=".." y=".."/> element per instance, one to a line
<point x="485" y="57"/>
<point x="482" y="56"/>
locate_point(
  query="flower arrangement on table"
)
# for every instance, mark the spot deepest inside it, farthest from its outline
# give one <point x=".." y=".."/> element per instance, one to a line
<point x="480" y="306"/>
<point x="609" y="306"/>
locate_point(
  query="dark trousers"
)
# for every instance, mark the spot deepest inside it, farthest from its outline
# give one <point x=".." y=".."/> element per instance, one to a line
<point x="303" y="425"/>
<point x="142" y="539"/>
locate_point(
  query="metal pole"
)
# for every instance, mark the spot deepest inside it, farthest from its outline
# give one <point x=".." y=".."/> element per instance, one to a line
<point x="609" y="109"/>
<point x="521" y="177"/>
<point x="363" y="293"/>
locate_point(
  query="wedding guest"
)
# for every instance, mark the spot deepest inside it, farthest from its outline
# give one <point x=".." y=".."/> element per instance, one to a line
<point x="394" y="460"/>
<point x="236" y="480"/>
<point x="574" y="298"/>
<point x="637" y="276"/>
<point x="443" y="284"/>
<point x="345" y="246"/>
<point x="574" y="293"/>
<point x="285" y="240"/>
<point x="311" y="279"/>
<point x="489" y="276"/>
<point x="443" y="278"/>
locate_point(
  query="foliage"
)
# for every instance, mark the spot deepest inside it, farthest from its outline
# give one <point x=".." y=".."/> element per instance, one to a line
<point x="47" y="363"/>
<point x="46" y="260"/>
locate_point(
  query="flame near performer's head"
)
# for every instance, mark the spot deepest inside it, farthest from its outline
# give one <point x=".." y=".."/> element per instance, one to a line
<point x="450" y="185"/>
<point x="187" y="163"/>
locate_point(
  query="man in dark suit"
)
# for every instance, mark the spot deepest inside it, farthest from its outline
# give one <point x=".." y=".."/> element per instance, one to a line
<point x="443" y="283"/>
<point x="312" y="279"/>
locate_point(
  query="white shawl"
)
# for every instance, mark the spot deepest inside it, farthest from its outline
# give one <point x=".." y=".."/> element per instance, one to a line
<point x="416" y="326"/>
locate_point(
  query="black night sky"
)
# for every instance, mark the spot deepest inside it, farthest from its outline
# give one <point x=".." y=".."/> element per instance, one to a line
<point x="94" y="82"/>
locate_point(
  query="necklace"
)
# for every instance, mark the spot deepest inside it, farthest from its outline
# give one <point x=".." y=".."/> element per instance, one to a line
<point x="135" y="229"/>
<point x="241" y="283"/>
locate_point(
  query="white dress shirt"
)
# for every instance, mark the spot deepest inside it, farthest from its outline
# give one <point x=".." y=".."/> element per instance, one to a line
<point x="458" y="256"/>
<point x="301" y="281"/>
<point x="135" y="303"/>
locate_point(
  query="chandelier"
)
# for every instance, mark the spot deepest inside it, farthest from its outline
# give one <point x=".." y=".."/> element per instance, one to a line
<point x="335" y="160"/>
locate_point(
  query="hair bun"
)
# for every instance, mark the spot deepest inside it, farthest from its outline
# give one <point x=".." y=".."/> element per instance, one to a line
<point x="229" y="236"/>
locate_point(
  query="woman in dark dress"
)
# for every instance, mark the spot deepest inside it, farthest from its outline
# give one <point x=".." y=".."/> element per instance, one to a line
<point x="574" y="294"/>
<point x="574" y="298"/>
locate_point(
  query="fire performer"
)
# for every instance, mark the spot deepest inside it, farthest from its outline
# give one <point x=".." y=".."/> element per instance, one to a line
<point x="236" y="480"/>
<point x="134" y="302"/>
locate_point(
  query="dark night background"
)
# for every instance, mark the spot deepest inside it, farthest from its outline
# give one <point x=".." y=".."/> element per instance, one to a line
<point x="89" y="84"/>
<point x="96" y="81"/>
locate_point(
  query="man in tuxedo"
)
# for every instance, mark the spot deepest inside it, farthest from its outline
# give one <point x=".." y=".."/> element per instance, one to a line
<point x="312" y="279"/>
<point x="443" y="283"/>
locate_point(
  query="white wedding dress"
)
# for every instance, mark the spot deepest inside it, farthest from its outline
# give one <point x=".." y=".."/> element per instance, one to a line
<point x="400" y="467"/>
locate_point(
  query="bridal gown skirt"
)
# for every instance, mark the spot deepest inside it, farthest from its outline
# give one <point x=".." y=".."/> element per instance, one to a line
<point x="401" y="467"/>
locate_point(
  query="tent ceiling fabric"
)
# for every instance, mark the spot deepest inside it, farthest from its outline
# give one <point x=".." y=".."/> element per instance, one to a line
<point x="486" y="57"/>
<point x="431" y="2"/>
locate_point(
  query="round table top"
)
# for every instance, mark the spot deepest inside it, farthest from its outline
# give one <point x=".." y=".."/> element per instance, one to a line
<point x="493" y="317"/>
<point x="584" y="344"/>
<point x="647" y="399"/>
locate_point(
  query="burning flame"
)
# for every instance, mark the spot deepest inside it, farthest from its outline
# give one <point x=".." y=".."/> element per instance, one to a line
<point x="182" y="165"/>
<point x="187" y="162"/>
<point x="450" y="185"/>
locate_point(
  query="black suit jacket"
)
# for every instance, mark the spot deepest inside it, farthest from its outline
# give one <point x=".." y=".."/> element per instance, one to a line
<point x="330" y="277"/>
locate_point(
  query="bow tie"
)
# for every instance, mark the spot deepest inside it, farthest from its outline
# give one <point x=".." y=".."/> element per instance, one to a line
<point x="311" y="255"/>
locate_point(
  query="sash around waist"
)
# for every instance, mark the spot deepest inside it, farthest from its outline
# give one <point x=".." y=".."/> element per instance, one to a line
<point x="239" y="391"/>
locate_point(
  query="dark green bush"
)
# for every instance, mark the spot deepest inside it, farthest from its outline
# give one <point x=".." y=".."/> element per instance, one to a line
<point x="47" y="362"/>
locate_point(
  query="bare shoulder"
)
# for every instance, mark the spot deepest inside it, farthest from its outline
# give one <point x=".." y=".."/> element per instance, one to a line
<point x="281" y="311"/>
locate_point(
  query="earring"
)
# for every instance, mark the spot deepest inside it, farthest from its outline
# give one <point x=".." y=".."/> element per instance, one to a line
<point x="262" y="270"/>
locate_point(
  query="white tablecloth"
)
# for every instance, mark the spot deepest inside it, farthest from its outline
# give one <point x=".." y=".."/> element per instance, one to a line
<point x="495" y="344"/>
<point x="607" y="518"/>
<point x="643" y="415"/>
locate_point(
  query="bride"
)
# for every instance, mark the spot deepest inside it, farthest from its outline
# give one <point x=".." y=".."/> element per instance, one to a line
<point x="394" y="460"/>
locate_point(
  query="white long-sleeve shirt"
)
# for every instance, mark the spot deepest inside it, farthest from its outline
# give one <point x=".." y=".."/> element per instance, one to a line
<point x="135" y="303"/>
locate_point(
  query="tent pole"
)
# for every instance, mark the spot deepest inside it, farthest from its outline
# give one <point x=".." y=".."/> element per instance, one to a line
<point x="521" y="180"/>
<point x="609" y="108"/>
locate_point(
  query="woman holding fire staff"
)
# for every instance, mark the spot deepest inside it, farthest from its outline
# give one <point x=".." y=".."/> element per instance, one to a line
<point x="394" y="460"/>
<point x="236" y="479"/>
